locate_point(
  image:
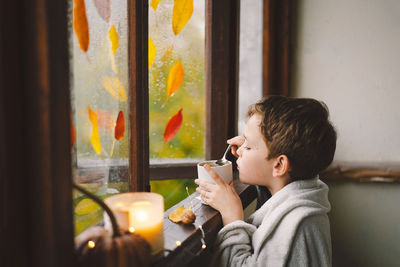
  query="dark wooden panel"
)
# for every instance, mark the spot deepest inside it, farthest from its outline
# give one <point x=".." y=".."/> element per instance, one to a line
<point x="37" y="205"/>
<point x="277" y="46"/>
<point x="173" y="171"/>
<point x="222" y="42"/>
<point x="139" y="95"/>
<point x="363" y="172"/>
<point x="60" y="110"/>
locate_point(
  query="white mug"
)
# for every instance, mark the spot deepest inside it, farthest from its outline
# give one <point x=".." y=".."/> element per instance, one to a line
<point x="225" y="171"/>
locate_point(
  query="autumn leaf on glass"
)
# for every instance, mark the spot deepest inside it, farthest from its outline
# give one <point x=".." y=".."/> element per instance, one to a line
<point x="119" y="130"/>
<point x="181" y="14"/>
<point x="115" y="88"/>
<point x="94" y="138"/>
<point x="114" y="43"/>
<point x="80" y="24"/>
<point x="73" y="132"/>
<point x="119" y="126"/>
<point x="175" y="78"/>
<point x="105" y="120"/>
<point x="103" y="8"/>
<point x="113" y="35"/>
<point x="173" y="126"/>
<point x="152" y="52"/>
<point x="154" y="4"/>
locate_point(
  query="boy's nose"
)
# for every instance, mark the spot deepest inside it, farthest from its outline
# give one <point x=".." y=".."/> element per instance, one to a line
<point x="240" y="150"/>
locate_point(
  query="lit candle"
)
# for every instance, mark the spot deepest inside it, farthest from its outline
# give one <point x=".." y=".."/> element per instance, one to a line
<point x="141" y="213"/>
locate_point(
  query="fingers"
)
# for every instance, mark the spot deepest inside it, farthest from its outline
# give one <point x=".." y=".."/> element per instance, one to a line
<point x="217" y="179"/>
<point x="204" y="185"/>
<point x="236" y="142"/>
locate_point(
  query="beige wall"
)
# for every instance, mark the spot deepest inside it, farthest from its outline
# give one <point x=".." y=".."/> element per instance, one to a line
<point x="347" y="53"/>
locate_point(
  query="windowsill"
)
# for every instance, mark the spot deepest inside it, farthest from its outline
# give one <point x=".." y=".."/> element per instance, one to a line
<point x="190" y="235"/>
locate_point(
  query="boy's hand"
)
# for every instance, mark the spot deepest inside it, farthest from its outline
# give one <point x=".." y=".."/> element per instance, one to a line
<point x="221" y="196"/>
<point x="236" y="142"/>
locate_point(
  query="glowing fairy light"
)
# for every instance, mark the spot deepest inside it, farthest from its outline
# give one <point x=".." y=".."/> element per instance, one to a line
<point x="91" y="244"/>
<point x="178" y="243"/>
<point x="131" y="229"/>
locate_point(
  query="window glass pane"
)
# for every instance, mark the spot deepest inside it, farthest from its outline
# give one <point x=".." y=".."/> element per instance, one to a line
<point x="98" y="50"/>
<point x="176" y="80"/>
<point x="250" y="60"/>
<point x="176" y="89"/>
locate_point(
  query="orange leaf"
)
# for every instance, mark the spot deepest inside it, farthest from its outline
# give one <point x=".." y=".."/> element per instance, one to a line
<point x="73" y="133"/>
<point x="173" y="126"/>
<point x="105" y="120"/>
<point x="175" y="78"/>
<point x="119" y="126"/>
<point x="95" y="138"/>
<point x="181" y="14"/>
<point x="103" y="8"/>
<point x="154" y="4"/>
<point x="80" y="24"/>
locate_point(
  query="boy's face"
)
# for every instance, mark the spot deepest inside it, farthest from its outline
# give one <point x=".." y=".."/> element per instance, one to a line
<point x="253" y="165"/>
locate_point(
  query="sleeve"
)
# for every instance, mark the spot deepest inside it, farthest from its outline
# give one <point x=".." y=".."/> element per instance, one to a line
<point x="312" y="243"/>
<point x="233" y="245"/>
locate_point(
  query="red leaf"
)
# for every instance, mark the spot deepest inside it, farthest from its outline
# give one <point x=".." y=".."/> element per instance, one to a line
<point x="173" y="126"/>
<point x="73" y="133"/>
<point x="119" y="126"/>
<point x="103" y="8"/>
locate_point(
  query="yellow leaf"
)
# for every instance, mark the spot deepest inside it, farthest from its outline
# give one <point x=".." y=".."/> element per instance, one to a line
<point x="95" y="138"/>
<point x="115" y="88"/>
<point x="152" y="52"/>
<point x="181" y="14"/>
<point x="112" y="33"/>
<point x="175" y="78"/>
<point x="86" y="206"/>
<point x="154" y="4"/>
<point x="175" y="215"/>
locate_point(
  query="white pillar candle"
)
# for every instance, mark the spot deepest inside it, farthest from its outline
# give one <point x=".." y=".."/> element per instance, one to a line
<point x="139" y="212"/>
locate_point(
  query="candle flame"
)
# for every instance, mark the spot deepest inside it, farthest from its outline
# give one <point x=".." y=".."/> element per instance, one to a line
<point x="91" y="244"/>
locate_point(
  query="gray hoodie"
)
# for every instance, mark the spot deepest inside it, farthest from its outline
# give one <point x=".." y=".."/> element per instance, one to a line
<point x="290" y="229"/>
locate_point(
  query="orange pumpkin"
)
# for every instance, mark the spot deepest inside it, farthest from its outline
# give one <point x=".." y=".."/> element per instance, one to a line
<point x="98" y="248"/>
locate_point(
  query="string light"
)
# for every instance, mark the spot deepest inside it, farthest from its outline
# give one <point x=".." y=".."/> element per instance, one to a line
<point x="203" y="246"/>
<point x="187" y="191"/>
<point x="131" y="229"/>
<point x="91" y="244"/>
<point x="178" y="243"/>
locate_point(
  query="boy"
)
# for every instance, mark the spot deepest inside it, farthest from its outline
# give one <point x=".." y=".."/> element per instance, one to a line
<point x="286" y="143"/>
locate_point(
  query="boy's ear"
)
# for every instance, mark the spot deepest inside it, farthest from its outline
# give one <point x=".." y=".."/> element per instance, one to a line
<point x="281" y="166"/>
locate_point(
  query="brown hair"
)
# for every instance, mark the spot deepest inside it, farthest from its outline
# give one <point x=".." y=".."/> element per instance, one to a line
<point x="300" y="129"/>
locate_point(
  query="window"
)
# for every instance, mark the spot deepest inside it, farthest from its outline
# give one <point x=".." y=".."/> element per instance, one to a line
<point x="106" y="51"/>
<point x="99" y="93"/>
<point x="176" y="91"/>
